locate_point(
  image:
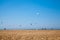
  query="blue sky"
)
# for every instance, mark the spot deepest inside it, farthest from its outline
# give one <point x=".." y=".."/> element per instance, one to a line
<point x="20" y="14"/>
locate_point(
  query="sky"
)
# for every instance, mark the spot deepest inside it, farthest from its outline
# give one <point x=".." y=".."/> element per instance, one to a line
<point x="28" y="14"/>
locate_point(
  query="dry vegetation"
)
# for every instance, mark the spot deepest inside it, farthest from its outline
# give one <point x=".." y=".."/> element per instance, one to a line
<point x="29" y="34"/>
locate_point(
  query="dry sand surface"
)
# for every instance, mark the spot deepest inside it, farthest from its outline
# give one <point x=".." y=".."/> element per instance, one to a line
<point x="29" y="34"/>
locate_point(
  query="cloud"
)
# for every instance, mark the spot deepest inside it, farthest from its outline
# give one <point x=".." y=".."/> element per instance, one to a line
<point x="37" y="13"/>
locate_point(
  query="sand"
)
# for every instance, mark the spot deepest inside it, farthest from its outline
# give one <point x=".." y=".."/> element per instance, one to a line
<point x="29" y="34"/>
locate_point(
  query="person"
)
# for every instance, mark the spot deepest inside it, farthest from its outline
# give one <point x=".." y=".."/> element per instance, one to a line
<point x="4" y="28"/>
